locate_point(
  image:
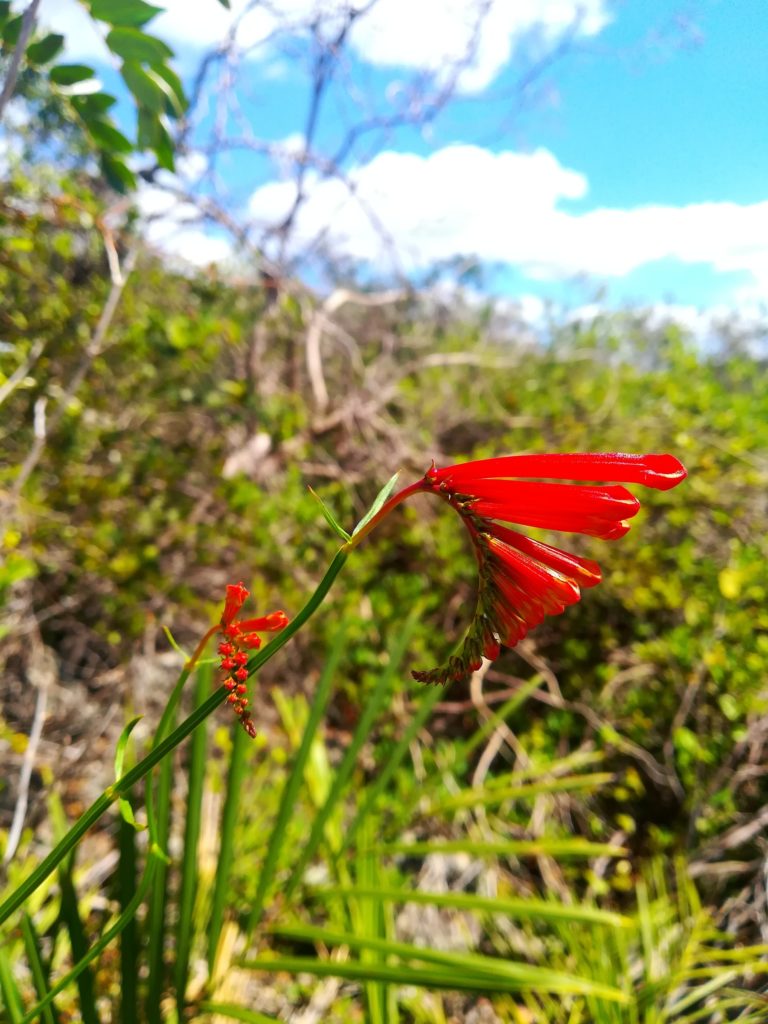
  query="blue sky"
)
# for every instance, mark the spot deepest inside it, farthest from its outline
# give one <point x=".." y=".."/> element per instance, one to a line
<point x="635" y="169"/>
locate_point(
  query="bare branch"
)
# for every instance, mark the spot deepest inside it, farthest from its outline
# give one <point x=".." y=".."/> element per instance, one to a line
<point x="27" y="28"/>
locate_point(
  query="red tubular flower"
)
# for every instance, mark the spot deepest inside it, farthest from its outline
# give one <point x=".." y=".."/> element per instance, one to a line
<point x="522" y="580"/>
<point x="236" y="597"/>
<point x="237" y="635"/>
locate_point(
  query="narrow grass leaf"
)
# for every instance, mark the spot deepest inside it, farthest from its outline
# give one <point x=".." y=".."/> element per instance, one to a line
<point x="381" y="497"/>
<point x="563" y="849"/>
<point x="337" y="528"/>
<point x="39" y="973"/>
<point x="488" y="797"/>
<point x="386" y="772"/>
<point x="499" y="717"/>
<point x="9" y="991"/>
<point x="295" y="777"/>
<point x="159" y="817"/>
<point x="188" y="879"/>
<point x="123" y="803"/>
<point x="81" y="966"/>
<point x="129" y="937"/>
<point x="344" y="771"/>
<point x="71" y="916"/>
<point x="449" y="973"/>
<point x="229" y="817"/>
<point x="238" y="1013"/>
<point x="545" y="910"/>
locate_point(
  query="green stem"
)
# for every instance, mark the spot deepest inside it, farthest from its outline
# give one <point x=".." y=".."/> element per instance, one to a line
<point x="123" y="784"/>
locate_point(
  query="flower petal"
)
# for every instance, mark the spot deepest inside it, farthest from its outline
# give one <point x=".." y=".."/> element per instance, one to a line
<point x="265" y="623"/>
<point x="235" y="599"/>
<point x="582" y="571"/>
<point x="659" y="471"/>
<point x="596" y="511"/>
<point x="543" y="587"/>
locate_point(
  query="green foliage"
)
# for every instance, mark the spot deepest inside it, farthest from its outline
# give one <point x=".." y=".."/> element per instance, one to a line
<point x="56" y="89"/>
<point x="629" y="726"/>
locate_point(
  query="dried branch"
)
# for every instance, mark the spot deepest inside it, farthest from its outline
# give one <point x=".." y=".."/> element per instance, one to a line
<point x="14" y="67"/>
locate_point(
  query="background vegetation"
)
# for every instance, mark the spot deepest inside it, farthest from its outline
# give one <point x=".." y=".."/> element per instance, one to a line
<point x="580" y="824"/>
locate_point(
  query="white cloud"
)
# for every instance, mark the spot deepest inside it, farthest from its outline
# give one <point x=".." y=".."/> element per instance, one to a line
<point x="430" y="34"/>
<point x="508" y="207"/>
<point x="174" y="228"/>
<point x="423" y="35"/>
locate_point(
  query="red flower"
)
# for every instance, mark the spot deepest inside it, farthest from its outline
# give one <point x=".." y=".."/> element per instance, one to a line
<point x="236" y="636"/>
<point x="522" y="580"/>
<point x="236" y="597"/>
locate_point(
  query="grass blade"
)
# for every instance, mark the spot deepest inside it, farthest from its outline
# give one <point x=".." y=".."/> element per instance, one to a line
<point x="235" y="777"/>
<point x="129" y="936"/>
<point x="295" y="778"/>
<point x="383" y="777"/>
<point x="9" y="991"/>
<point x="77" y="940"/>
<point x="563" y="849"/>
<point x="449" y="973"/>
<point x="125" y="918"/>
<point x="159" y="822"/>
<point x="238" y="1013"/>
<point x="188" y="880"/>
<point x="544" y="910"/>
<point x="490" y="797"/>
<point x="39" y="973"/>
<point x="345" y="769"/>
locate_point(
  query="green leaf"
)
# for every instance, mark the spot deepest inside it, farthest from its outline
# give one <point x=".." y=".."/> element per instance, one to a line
<point x="92" y="105"/>
<point x="106" y="136"/>
<point x="124" y="804"/>
<point x="230" y="1009"/>
<point x="381" y="497"/>
<point x="177" y="98"/>
<point x="154" y="135"/>
<point x="225" y="3"/>
<point x="5" y="13"/>
<point x="130" y="13"/>
<point x="520" y="909"/>
<point x="120" y="177"/>
<point x="164" y="148"/>
<point x="37" y="967"/>
<point x="329" y="517"/>
<point x="295" y="777"/>
<point x="445" y="976"/>
<point x="11" y="999"/>
<point x="12" y="30"/>
<point x="149" y="92"/>
<point x="70" y="74"/>
<point x="45" y="49"/>
<point x="133" y="45"/>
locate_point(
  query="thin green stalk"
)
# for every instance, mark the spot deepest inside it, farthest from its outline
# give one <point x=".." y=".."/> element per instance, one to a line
<point x="191" y="838"/>
<point x="122" y="921"/>
<point x="129" y="939"/>
<point x="140" y="770"/>
<point x="78" y="942"/>
<point x="235" y="776"/>
<point x="39" y="973"/>
<point x="344" y="771"/>
<point x="295" y="779"/>
<point x="9" y="993"/>
<point x="158" y="897"/>
<point x="386" y="771"/>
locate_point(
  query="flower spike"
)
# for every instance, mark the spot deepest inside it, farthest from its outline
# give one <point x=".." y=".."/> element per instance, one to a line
<point x="235" y="636"/>
<point x="522" y="580"/>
